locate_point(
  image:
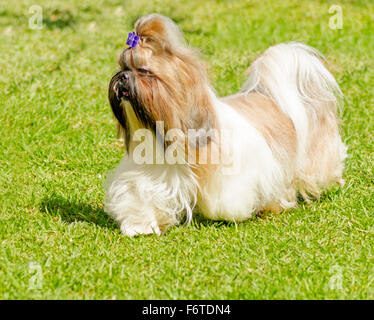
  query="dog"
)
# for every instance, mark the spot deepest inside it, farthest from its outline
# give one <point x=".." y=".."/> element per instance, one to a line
<point x="230" y="157"/>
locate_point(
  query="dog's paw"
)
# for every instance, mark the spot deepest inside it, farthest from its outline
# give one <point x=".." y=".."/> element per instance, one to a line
<point x="341" y="182"/>
<point x="132" y="230"/>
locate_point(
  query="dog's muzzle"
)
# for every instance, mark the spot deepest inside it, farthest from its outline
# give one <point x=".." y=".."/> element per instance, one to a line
<point x="122" y="86"/>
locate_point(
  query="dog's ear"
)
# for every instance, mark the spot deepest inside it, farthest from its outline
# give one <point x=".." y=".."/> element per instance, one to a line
<point x="158" y="28"/>
<point x="118" y="111"/>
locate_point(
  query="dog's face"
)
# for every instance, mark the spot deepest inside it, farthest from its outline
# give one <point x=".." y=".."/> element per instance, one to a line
<point x="162" y="79"/>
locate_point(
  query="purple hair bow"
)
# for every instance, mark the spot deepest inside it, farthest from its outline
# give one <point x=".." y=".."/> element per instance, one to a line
<point x="132" y="40"/>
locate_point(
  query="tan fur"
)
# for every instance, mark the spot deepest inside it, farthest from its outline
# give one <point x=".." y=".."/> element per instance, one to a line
<point x="323" y="164"/>
<point x="182" y="85"/>
<point x="175" y="91"/>
<point x="276" y="127"/>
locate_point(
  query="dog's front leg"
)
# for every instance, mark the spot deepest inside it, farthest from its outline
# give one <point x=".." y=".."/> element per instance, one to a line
<point x="147" y="199"/>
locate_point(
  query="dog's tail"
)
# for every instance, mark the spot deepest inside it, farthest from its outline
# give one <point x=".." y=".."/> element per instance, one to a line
<point x="295" y="78"/>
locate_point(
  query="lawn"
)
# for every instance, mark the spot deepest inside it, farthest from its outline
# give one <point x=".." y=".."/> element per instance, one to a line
<point x="58" y="140"/>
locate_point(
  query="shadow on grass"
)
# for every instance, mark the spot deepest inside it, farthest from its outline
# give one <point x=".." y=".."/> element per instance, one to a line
<point x="199" y="222"/>
<point x="72" y="211"/>
<point x="326" y="195"/>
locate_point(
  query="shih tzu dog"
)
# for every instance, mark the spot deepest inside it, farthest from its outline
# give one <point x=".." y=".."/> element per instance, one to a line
<point x="230" y="157"/>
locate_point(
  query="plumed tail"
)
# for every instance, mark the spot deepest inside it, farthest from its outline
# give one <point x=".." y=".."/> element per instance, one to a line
<point x="294" y="77"/>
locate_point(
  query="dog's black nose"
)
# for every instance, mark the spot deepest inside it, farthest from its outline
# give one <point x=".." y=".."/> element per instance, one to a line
<point x="124" y="76"/>
<point x="123" y="80"/>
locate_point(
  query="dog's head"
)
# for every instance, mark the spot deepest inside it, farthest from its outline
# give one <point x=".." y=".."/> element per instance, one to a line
<point x="162" y="78"/>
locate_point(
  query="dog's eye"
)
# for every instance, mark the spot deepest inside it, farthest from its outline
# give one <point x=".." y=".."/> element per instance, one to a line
<point x="144" y="71"/>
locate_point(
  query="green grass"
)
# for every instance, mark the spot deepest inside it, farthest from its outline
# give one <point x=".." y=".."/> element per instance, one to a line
<point x="58" y="140"/>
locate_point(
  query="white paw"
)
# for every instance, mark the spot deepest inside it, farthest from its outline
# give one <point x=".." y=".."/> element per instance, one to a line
<point x="132" y="230"/>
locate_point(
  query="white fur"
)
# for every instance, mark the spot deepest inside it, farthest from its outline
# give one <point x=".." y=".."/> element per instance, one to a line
<point x="235" y="192"/>
<point x="141" y="197"/>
